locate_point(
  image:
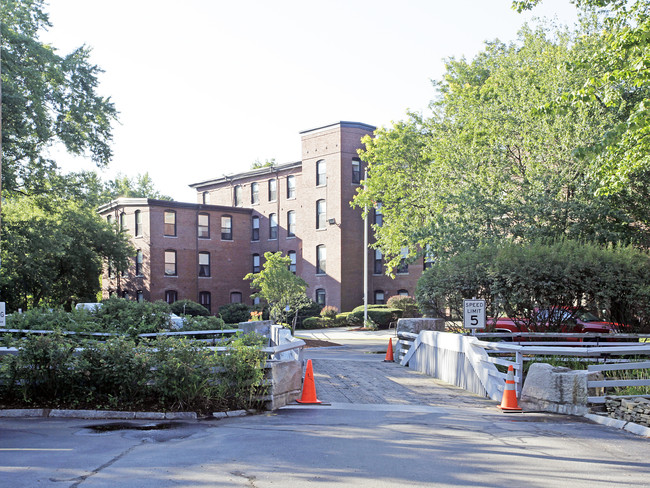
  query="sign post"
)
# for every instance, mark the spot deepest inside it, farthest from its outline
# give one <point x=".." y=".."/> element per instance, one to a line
<point x="3" y="320"/>
<point x="474" y="314"/>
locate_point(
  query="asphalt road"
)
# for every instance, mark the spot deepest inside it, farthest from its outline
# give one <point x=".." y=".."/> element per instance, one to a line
<point x="385" y="426"/>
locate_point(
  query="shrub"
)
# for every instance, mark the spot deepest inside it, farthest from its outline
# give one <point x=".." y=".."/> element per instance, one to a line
<point x="166" y="373"/>
<point x="329" y="312"/>
<point x="380" y="316"/>
<point x="203" y="323"/>
<point x="233" y="313"/>
<point x="543" y="275"/>
<point x="311" y="323"/>
<point x="406" y="304"/>
<point x="188" y="307"/>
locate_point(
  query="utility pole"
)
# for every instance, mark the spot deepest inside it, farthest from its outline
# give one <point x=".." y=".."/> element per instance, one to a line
<point x="365" y="253"/>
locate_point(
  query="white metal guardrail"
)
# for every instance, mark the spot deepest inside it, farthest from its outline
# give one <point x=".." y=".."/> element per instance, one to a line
<point x="470" y="363"/>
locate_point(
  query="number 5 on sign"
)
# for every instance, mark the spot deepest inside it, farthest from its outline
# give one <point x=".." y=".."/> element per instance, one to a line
<point x="474" y="314"/>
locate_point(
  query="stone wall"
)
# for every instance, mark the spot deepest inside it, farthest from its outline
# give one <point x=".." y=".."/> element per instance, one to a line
<point x="635" y="410"/>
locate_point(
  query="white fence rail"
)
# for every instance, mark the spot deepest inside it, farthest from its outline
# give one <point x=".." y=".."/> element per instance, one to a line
<point x="614" y="382"/>
<point x="470" y="363"/>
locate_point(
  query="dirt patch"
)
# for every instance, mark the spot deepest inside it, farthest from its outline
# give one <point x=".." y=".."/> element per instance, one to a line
<point x="318" y="343"/>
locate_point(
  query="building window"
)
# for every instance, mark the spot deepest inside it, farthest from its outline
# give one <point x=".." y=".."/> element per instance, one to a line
<point x="428" y="258"/>
<point x="291" y="187"/>
<point x="320" y="214"/>
<point x="379" y="297"/>
<point x="379" y="264"/>
<point x="320" y="297"/>
<point x="170" y="263"/>
<point x="256" y="300"/>
<point x="292" y="264"/>
<point x="123" y="221"/>
<point x="204" y="299"/>
<point x="320" y="259"/>
<point x="403" y="293"/>
<point x="139" y="258"/>
<point x="204" y="264"/>
<point x="171" y="296"/>
<point x="379" y="217"/>
<point x="226" y="228"/>
<point x="109" y="219"/>
<point x="206" y="198"/>
<point x="356" y="171"/>
<point x="273" y="190"/>
<point x="291" y="223"/>
<point x="256" y="263"/>
<point x="170" y="223"/>
<point x="321" y="176"/>
<point x="238" y="196"/>
<point x="403" y="267"/>
<point x="138" y="223"/>
<point x="255" y="194"/>
<point x="256" y="229"/>
<point x="235" y="297"/>
<point x="273" y="226"/>
<point x="125" y="294"/>
<point x="139" y="296"/>
<point x="111" y="269"/>
<point x="203" y="228"/>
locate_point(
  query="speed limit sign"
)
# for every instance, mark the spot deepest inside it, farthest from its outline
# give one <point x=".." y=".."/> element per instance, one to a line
<point x="474" y="314"/>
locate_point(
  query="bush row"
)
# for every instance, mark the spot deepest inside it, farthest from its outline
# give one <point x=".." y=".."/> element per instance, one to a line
<point x="116" y="315"/>
<point x="516" y="279"/>
<point x="166" y="374"/>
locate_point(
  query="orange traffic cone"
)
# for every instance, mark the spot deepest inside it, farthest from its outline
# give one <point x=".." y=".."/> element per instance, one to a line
<point x="308" y="386"/>
<point x="509" y="400"/>
<point x="389" y="352"/>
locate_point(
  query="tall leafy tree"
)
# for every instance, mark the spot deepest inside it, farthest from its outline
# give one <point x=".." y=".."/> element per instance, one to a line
<point x="46" y="98"/>
<point x="622" y="83"/>
<point x="53" y="251"/>
<point x="489" y="164"/>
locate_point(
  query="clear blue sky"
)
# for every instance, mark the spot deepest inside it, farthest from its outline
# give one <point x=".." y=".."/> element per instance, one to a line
<point x="206" y="87"/>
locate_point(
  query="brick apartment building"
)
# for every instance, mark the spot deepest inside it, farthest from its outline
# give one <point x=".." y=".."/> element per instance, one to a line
<point x="202" y="251"/>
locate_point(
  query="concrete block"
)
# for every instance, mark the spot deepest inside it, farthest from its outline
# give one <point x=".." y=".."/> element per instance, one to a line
<point x="414" y="326"/>
<point x="556" y="389"/>
<point x="236" y="413"/>
<point x="262" y="327"/>
<point x="22" y="412"/>
<point x="92" y="414"/>
<point x="285" y="376"/>
<point x="637" y="429"/>
<point x="219" y="415"/>
<point x="180" y="416"/>
<point x="150" y="415"/>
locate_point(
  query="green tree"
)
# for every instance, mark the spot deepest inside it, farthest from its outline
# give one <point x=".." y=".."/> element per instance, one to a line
<point x="53" y="252"/>
<point x="622" y="82"/>
<point x="46" y="98"/>
<point x="488" y="165"/>
<point x="263" y="164"/>
<point x="279" y="287"/>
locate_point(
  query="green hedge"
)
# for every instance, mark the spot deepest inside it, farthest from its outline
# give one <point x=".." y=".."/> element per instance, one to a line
<point x="543" y="275"/>
<point x="188" y="307"/>
<point x="165" y="374"/>
<point x="381" y="316"/>
<point x="233" y="313"/>
<point x="116" y="315"/>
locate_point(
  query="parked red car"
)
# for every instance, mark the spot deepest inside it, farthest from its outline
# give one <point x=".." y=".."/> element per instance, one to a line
<point x="572" y="321"/>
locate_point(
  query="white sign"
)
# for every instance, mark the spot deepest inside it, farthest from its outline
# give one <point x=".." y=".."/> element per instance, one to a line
<point x="474" y="314"/>
<point x="3" y="320"/>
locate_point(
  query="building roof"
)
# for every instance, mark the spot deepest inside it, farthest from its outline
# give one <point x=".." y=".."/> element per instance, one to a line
<point x="248" y="174"/>
<point x="150" y="202"/>
<point x="342" y="123"/>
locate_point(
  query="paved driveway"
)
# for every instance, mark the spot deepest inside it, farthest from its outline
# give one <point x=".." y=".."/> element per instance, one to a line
<point x="386" y="426"/>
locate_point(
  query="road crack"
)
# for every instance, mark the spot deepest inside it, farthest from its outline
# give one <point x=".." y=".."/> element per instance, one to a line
<point x="80" y="479"/>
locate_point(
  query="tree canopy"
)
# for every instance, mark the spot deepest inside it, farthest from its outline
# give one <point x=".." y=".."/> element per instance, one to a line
<point x="491" y="164"/>
<point x="46" y="98"/>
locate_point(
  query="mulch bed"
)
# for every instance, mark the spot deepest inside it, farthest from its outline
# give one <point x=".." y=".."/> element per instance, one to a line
<point x="318" y="343"/>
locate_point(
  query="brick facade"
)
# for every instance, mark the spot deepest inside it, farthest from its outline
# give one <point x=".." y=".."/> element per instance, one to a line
<point x="333" y="149"/>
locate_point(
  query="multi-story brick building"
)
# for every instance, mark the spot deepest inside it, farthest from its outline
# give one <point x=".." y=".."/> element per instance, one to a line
<point x="301" y="209"/>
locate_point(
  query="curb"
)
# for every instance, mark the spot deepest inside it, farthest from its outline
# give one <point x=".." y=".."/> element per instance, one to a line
<point x="111" y="414"/>
<point x="619" y="424"/>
